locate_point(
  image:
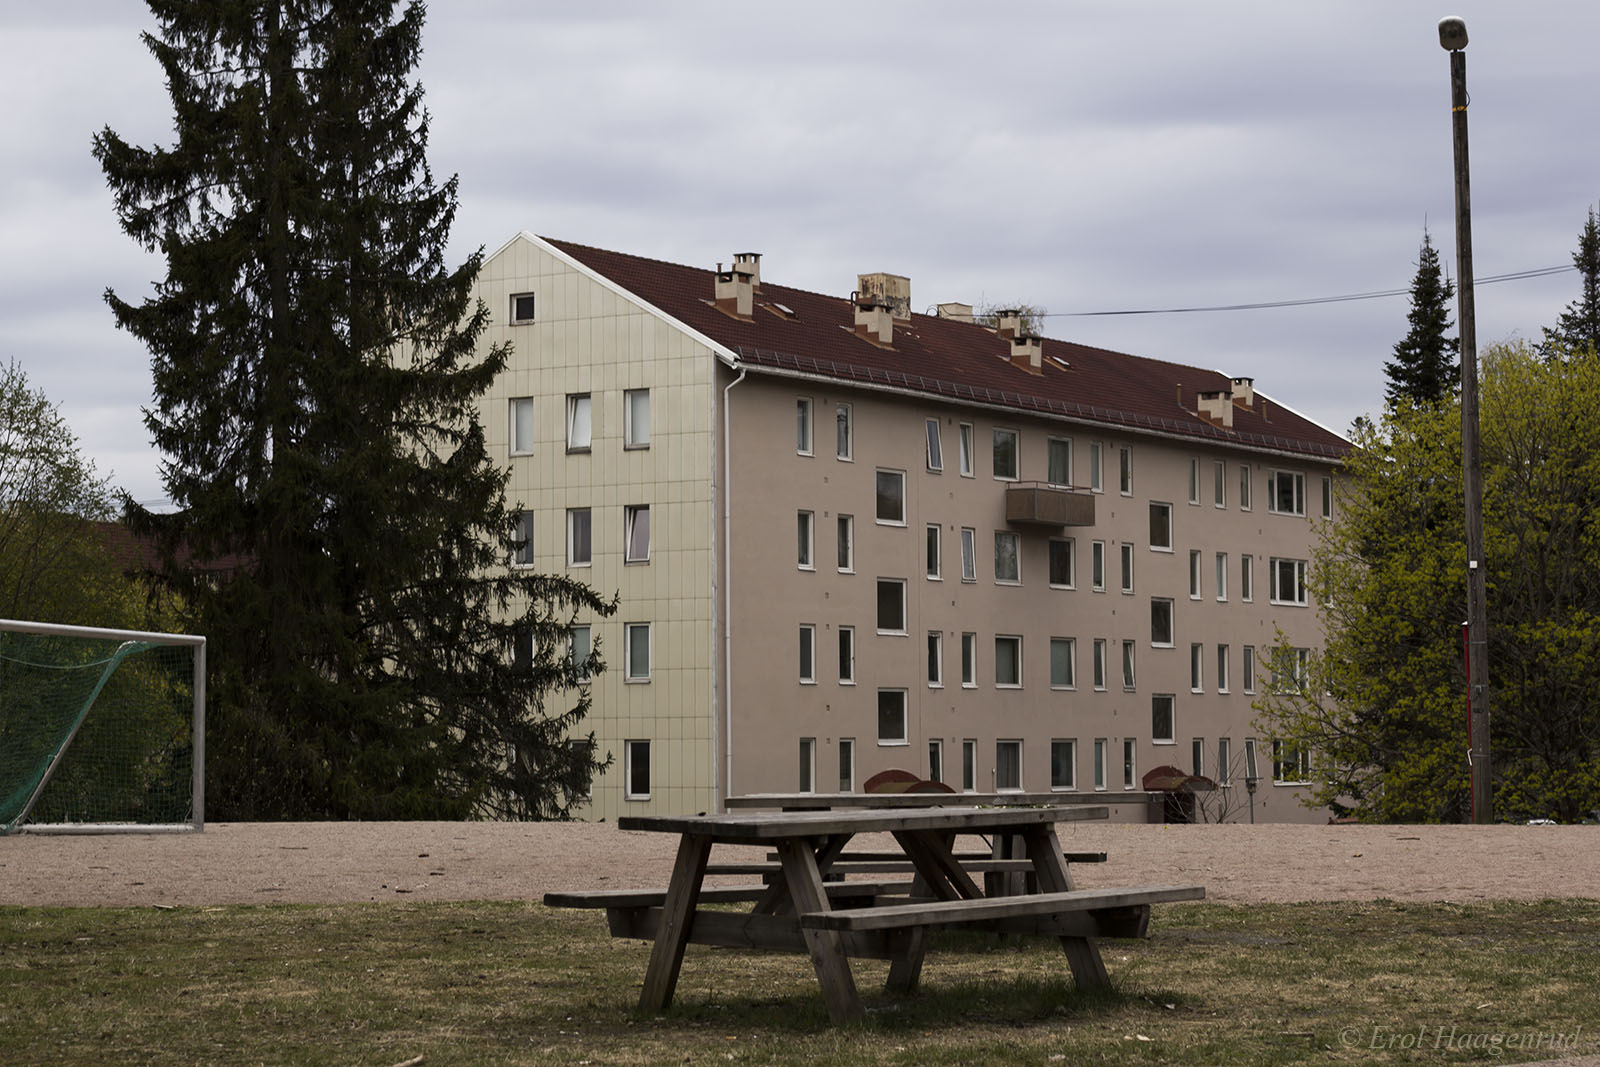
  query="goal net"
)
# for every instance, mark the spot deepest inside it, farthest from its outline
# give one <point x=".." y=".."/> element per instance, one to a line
<point x="100" y="730"/>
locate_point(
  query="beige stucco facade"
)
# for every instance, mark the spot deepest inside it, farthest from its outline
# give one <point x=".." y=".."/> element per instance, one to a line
<point x="733" y="703"/>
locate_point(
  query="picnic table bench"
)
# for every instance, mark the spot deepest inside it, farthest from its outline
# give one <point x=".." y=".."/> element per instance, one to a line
<point x="832" y="922"/>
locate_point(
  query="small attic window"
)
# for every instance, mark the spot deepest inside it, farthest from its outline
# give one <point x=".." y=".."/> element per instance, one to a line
<point x="780" y="309"/>
<point x="521" y="308"/>
<point x="1058" y="361"/>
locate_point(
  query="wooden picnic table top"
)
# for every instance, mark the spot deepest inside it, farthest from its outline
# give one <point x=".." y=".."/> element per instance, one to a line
<point x="808" y="801"/>
<point x="764" y="826"/>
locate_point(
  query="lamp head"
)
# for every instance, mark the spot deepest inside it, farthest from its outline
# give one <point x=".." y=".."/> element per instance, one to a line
<point x="1452" y="34"/>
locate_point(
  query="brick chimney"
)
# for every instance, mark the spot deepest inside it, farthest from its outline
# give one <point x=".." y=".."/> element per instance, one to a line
<point x="735" y="292"/>
<point x="892" y="289"/>
<point x="1216" y="407"/>
<point x="1008" y="322"/>
<point x="750" y="263"/>
<point x="1028" y="353"/>
<point x="1244" y="391"/>
<point x="874" y="318"/>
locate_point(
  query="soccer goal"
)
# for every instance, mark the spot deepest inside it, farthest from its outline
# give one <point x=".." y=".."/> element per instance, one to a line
<point x="101" y="731"/>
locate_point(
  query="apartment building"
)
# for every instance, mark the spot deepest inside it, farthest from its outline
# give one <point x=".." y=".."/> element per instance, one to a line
<point x="848" y="537"/>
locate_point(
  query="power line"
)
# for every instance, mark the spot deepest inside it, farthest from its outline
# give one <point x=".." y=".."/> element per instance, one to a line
<point x="1519" y="275"/>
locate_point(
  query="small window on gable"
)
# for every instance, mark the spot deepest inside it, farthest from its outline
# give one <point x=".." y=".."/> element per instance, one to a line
<point x="636" y="418"/>
<point x="521" y="308"/>
<point x="522" y="426"/>
<point x="579" y="426"/>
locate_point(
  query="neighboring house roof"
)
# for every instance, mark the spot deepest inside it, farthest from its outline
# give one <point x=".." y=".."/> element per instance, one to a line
<point x="796" y="332"/>
<point x="134" y="554"/>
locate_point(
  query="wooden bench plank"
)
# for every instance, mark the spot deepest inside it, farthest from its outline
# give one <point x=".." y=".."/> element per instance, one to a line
<point x="987" y="909"/>
<point x="723" y="894"/>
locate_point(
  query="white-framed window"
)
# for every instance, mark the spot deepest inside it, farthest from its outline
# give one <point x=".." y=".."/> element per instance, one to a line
<point x="1197" y="757"/>
<point x="522" y="555"/>
<point x="844" y="432"/>
<point x="1125" y="470"/>
<point x="966" y="438"/>
<point x="969" y="554"/>
<point x="1248" y="669"/>
<point x="1163" y="728"/>
<point x="935" y="760"/>
<point x="1127" y="665"/>
<point x="1097" y="566"/>
<point x="802" y="425"/>
<point x="1058" y="461"/>
<point x="522" y="308"/>
<point x="520" y="418"/>
<point x="1096" y="467"/>
<point x="1327" y="497"/>
<point x="1007" y="558"/>
<point x="847" y="765"/>
<point x="1130" y="776"/>
<point x="808" y="765"/>
<point x="1062" y="564"/>
<point x="891" y="497"/>
<point x="635" y="418"/>
<point x="933" y="447"/>
<point x="1197" y="654"/>
<point x="1250" y="770"/>
<point x="1008" y="661"/>
<point x="1244" y="487"/>
<point x="1006" y="452"/>
<point x="935" y="659"/>
<point x="521" y="652"/>
<point x="1222" y="576"/>
<point x="1008" y="766"/>
<point x="1222" y="668"/>
<point x="847" y="543"/>
<point x="638" y="652"/>
<point x="892" y="717"/>
<point x="1219" y="484"/>
<point x="1194" y="574"/>
<point x="636" y="533"/>
<point x="579" y="542"/>
<point x="580" y="425"/>
<point x="969" y="765"/>
<point x="1160" y="527"/>
<point x="1063" y="764"/>
<point x="891" y="605"/>
<point x="1286" y="493"/>
<point x="969" y="660"/>
<point x="1161" y="622"/>
<point x="847" y="655"/>
<point x="1127" y="567"/>
<point x="806" y="540"/>
<point x="1288" y="581"/>
<point x="808" y="654"/>
<point x="1100" y="664"/>
<point x="1099" y="763"/>
<point x="1194" y="480"/>
<point x="1291" y="764"/>
<point x="1289" y="669"/>
<point x="1247" y="590"/>
<point x="932" y="556"/>
<point x="636" y="773"/>
<point x="1063" y="663"/>
<point x="1224" y="753"/>
<point x="580" y="644"/>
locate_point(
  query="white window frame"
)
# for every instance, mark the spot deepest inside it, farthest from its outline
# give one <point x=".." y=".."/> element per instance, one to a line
<point x="1015" y="642"/>
<point x="1282" y="756"/>
<point x="1171" y="622"/>
<point x="969" y="765"/>
<point x="1016" y="453"/>
<point x="635" y="750"/>
<point x="1248" y="668"/>
<point x="1298" y="595"/>
<point x="580" y="422"/>
<point x="522" y="555"/>
<point x="1100" y="764"/>
<point x="1130" y="764"/>
<point x="573" y="658"/>
<point x="1050" y="447"/>
<point x="1097" y="465"/>
<point x="969" y="660"/>
<point x="808" y="765"/>
<point x="844" y="432"/>
<point x="512" y="309"/>
<point x="1197" y="658"/>
<point x="804" y="427"/>
<point x="1197" y="757"/>
<point x="519" y="443"/>
<point x="805" y="539"/>
<point x="1194" y="574"/>
<point x="1070" y="745"/>
<point x="633" y="436"/>
<point x="1097" y="566"/>
<point x="572" y="537"/>
<point x="893" y="476"/>
<point x="1224" y="755"/>
<point x="969" y="554"/>
<point x="631" y="514"/>
<point x="1015" y="540"/>
<point x="1222" y="668"/>
<point x="1251" y="767"/>
<point x="1222" y="577"/>
<point x="877" y="607"/>
<point x="847" y="765"/>
<point x="1013" y="744"/>
<point x="1163" y="508"/>
<point x="1194" y="480"/>
<point x="933" y="447"/>
<point x="935" y="659"/>
<point x="1327" y="496"/>
<point x="967" y="437"/>
<point x="1126" y="552"/>
<point x="1100" y="665"/>
<point x="808" y="653"/>
<point x="846" y="548"/>
<point x="1125" y="470"/>
<point x="630" y="674"/>
<point x="1219" y="483"/>
<point x="1171" y="701"/>
<point x="935" y="759"/>
<point x="905" y="718"/>
<point x="933" y="552"/>
<point x="1071" y="554"/>
<point x="1070" y="645"/>
<point x="847" y="655"/>
<point x="1247" y="585"/>
<point x="1244" y="487"/>
<point x="1130" y="679"/>
<point x="1297" y="491"/>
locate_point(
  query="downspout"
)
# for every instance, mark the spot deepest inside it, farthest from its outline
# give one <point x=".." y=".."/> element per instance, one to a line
<point x="722" y="787"/>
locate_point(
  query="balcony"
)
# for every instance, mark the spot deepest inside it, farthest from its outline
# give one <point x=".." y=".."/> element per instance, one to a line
<point x="1042" y="504"/>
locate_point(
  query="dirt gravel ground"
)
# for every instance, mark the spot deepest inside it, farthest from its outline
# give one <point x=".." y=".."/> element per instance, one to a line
<point x="252" y="863"/>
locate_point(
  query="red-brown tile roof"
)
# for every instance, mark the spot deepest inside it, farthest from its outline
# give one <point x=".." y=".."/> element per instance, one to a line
<point x="954" y="360"/>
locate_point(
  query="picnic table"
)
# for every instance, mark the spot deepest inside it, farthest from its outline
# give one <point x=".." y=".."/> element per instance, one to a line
<point x="833" y="921"/>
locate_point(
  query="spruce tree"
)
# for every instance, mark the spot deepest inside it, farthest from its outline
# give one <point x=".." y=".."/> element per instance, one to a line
<point x="1427" y="366"/>
<point x="341" y="534"/>
<point x="1578" y="328"/>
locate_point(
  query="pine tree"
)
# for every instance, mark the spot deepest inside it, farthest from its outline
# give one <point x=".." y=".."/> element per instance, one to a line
<point x="1578" y="328"/>
<point x="341" y="534"/>
<point x="1427" y="365"/>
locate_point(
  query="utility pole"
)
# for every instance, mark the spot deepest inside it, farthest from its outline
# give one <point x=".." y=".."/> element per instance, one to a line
<point x="1453" y="38"/>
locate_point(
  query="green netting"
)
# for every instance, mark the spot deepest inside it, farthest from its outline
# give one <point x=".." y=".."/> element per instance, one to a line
<point x="110" y="723"/>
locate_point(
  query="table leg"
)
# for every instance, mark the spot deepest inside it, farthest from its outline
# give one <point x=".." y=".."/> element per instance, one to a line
<point x="825" y="946"/>
<point x="1050" y="867"/>
<point x="905" y="966"/>
<point x="677" y="918"/>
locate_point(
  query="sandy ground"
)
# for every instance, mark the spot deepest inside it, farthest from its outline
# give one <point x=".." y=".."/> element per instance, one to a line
<point x="252" y="863"/>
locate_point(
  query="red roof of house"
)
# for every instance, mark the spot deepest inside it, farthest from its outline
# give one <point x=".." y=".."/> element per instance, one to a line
<point x="795" y="331"/>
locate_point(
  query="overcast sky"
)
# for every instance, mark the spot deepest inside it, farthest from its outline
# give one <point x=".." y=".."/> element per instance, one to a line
<point x="1085" y="157"/>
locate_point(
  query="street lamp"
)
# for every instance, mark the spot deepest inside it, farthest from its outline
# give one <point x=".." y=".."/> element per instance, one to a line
<point x="1250" y="787"/>
<point x="1453" y="39"/>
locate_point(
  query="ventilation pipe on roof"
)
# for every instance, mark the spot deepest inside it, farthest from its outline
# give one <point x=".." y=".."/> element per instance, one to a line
<point x="1028" y="353"/>
<point x="874" y="319"/>
<point x="735" y="292"/>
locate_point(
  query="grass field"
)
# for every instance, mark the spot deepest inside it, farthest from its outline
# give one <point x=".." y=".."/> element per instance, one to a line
<point x="498" y="983"/>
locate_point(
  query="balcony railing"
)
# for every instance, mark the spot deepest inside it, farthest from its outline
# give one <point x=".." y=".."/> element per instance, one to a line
<point x="1042" y="504"/>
